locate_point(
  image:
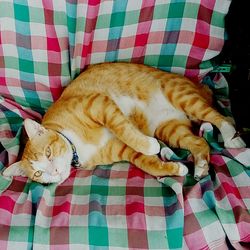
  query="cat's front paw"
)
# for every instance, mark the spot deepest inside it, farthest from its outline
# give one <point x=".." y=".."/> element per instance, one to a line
<point x="235" y="142"/>
<point x="154" y="147"/>
<point x="183" y="170"/>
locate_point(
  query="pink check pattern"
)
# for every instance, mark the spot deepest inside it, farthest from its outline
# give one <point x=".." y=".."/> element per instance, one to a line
<point x="46" y="44"/>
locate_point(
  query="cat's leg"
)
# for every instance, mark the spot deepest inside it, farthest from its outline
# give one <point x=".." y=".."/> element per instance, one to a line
<point x="115" y="151"/>
<point x="104" y="111"/>
<point x="178" y="134"/>
<point x="201" y="110"/>
<point x="197" y="107"/>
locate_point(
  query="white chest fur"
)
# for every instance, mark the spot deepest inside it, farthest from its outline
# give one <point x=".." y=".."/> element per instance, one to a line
<point x="85" y="150"/>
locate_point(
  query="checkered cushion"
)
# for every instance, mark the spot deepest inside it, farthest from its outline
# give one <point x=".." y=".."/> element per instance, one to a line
<point x="43" y="46"/>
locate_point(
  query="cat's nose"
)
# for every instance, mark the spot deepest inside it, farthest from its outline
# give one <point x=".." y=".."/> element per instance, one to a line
<point x="55" y="172"/>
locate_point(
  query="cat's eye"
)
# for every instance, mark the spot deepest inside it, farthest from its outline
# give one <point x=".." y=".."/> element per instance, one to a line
<point x="38" y="173"/>
<point x="48" y="152"/>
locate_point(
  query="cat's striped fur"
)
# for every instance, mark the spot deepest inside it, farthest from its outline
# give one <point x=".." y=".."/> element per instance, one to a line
<point x="111" y="113"/>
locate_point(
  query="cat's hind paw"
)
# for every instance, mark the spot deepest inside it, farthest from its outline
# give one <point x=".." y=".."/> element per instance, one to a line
<point x="201" y="170"/>
<point x="230" y="136"/>
<point x="235" y="142"/>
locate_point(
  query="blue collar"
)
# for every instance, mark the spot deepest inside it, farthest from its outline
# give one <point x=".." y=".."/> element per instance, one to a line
<point x="75" y="159"/>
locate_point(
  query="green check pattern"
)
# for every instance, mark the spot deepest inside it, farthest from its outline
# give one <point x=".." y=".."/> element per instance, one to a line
<point x="46" y="44"/>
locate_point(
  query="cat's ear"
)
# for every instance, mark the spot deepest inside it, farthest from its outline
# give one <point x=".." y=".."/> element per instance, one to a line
<point x="14" y="170"/>
<point x="33" y="128"/>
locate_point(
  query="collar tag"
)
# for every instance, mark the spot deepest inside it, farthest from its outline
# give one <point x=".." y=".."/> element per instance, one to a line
<point x="75" y="160"/>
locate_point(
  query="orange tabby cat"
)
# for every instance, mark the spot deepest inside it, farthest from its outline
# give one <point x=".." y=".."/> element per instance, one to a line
<point x="111" y="113"/>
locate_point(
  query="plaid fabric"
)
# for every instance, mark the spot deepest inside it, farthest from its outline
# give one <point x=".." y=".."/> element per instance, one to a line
<point x="45" y="44"/>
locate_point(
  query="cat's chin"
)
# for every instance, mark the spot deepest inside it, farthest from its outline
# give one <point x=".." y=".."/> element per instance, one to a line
<point x="53" y="179"/>
<point x="47" y="178"/>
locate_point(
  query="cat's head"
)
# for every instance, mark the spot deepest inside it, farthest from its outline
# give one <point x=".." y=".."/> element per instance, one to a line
<point x="46" y="157"/>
